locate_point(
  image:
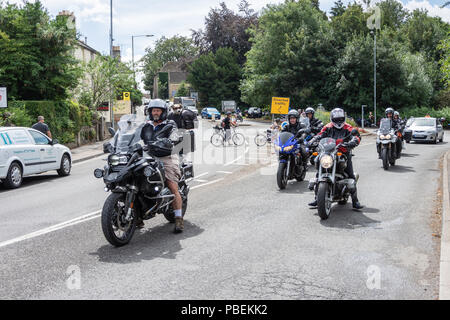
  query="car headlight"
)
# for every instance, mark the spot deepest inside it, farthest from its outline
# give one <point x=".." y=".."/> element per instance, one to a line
<point x="114" y="160"/>
<point x="326" y="161"/>
<point x="288" y="148"/>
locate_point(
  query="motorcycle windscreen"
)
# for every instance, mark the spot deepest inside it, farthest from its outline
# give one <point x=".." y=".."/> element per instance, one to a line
<point x="385" y="126"/>
<point x="327" y="145"/>
<point x="129" y="132"/>
<point x="285" y="139"/>
<point x="304" y="122"/>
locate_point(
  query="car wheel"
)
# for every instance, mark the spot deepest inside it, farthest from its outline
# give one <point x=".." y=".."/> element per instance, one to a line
<point x="14" y="178"/>
<point x="65" y="167"/>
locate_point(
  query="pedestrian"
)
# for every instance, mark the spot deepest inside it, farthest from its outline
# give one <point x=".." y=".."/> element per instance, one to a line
<point x="42" y="127"/>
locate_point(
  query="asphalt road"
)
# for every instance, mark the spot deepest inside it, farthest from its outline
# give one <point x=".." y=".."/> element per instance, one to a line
<point x="243" y="239"/>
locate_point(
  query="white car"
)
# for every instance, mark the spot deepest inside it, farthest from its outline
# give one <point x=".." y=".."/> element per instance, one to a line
<point x="25" y="151"/>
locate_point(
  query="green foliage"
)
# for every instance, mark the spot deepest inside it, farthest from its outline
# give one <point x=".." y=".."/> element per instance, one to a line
<point x="445" y="61"/>
<point x="216" y="77"/>
<point x="36" y="60"/>
<point x="64" y="118"/>
<point x="183" y="90"/>
<point x="166" y="50"/>
<point x="324" y="116"/>
<point x="16" y="117"/>
<point x="423" y="111"/>
<point x="102" y="74"/>
<point x="292" y="54"/>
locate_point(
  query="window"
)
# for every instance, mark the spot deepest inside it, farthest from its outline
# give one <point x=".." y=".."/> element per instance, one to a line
<point x="18" y="137"/>
<point x="39" y="138"/>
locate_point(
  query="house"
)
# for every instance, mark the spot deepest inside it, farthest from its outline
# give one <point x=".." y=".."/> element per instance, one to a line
<point x="177" y="72"/>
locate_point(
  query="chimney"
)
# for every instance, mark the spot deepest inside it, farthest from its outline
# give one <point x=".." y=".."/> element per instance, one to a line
<point x="70" y="18"/>
<point x="85" y="40"/>
<point x="116" y="52"/>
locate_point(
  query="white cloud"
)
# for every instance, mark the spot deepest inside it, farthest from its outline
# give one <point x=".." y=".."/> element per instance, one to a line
<point x="433" y="10"/>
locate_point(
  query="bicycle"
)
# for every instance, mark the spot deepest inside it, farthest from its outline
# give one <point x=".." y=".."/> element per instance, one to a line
<point x="219" y="137"/>
<point x="262" y="139"/>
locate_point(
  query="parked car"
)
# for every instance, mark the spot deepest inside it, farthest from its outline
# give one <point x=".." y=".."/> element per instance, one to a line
<point x="25" y="151"/>
<point x="254" y="112"/>
<point x="208" y="113"/>
<point x="425" y="129"/>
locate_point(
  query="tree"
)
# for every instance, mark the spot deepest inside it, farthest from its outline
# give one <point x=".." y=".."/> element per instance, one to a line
<point x="227" y="29"/>
<point x="183" y="90"/>
<point x="393" y="15"/>
<point x="104" y="73"/>
<point x="292" y="56"/>
<point x="216" y="77"/>
<point x="166" y="50"/>
<point x="338" y="9"/>
<point x="36" y="61"/>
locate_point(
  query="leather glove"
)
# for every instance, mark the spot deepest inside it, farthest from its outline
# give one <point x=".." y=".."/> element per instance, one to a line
<point x="352" y="144"/>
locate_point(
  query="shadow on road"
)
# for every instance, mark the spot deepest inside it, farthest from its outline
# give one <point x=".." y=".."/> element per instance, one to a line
<point x="409" y="155"/>
<point x="344" y="217"/>
<point x="401" y="169"/>
<point x="148" y="244"/>
<point x="294" y="187"/>
<point x="33" y="180"/>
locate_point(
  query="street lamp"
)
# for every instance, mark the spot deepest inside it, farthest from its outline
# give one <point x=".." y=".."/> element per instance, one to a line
<point x="132" y="51"/>
<point x="375" y="73"/>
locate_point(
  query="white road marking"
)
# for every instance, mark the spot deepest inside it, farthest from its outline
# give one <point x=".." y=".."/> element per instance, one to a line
<point x="201" y="175"/>
<point x="206" y="184"/>
<point x="56" y="227"/>
<point x="198" y="180"/>
<point x="224" y="172"/>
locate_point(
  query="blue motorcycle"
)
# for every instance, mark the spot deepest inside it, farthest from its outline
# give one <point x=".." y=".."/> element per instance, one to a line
<point x="290" y="160"/>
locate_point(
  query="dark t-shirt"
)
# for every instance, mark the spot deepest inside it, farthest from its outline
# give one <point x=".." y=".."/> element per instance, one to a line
<point x="227" y="123"/>
<point x="42" y="127"/>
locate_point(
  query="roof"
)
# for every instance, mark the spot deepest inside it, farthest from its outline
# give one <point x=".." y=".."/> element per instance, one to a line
<point x="85" y="46"/>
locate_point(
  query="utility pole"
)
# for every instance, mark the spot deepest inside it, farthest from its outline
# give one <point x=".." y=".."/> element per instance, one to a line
<point x="375" y="76"/>
<point x="111" y="55"/>
<point x="132" y="55"/>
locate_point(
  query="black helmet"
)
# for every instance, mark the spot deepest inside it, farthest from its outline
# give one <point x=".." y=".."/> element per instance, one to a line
<point x="389" y="110"/>
<point x="293" y="114"/>
<point x="159" y="104"/>
<point x="337" y="117"/>
<point x="310" y="110"/>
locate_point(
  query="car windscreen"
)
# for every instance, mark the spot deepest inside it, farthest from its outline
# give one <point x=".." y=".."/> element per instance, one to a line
<point x="425" y="122"/>
<point x="212" y="110"/>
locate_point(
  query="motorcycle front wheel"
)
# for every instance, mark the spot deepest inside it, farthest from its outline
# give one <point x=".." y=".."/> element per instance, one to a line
<point x="282" y="176"/>
<point x="385" y="158"/>
<point x="116" y="229"/>
<point x="323" y="201"/>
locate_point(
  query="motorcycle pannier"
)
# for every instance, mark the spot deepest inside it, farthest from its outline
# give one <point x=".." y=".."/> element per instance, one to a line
<point x="187" y="170"/>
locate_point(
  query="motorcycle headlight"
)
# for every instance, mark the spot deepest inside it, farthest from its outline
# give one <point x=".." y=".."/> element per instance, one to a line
<point x="148" y="171"/>
<point x="388" y="137"/>
<point x="326" y="162"/>
<point x="123" y="160"/>
<point x="382" y="137"/>
<point x="288" y="148"/>
<point x="114" y="160"/>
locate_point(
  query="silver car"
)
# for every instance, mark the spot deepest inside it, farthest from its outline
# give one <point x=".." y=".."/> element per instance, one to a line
<point x="426" y="129"/>
<point x="25" y="151"/>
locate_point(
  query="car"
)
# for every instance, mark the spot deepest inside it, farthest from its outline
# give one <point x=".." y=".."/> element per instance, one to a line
<point x="25" y="151"/>
<point x="254" y="112"/>
<point x="209" y="112"/>
<point x="425" y="129"/>
<point x="194" y="109"/>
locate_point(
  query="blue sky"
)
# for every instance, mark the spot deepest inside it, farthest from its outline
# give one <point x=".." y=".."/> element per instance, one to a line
<point x="165" y="18"/>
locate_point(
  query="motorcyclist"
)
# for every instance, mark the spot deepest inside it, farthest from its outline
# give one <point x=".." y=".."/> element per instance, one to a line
<point x="389" y="114"/>
<point x="294" y="126"/>
<point x="188" y="119"/>
<point x="339" y="129"/>
<point x="176" y="115"/>
<point x="160" y="129"/>
<point x="315" y="124"/>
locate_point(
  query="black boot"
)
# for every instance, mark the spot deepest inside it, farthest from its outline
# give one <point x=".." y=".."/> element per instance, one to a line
<point x="313" y="204"/>
<point x="356" y="204"/>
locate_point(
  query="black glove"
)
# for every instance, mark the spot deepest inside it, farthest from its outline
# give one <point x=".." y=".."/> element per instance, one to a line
<point x="352" y="144"/>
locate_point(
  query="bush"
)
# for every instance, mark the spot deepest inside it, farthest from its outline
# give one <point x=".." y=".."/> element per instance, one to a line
<point x="325" y="117"/>
<point x="17" y="117"/>
<point x="64" y="118"/>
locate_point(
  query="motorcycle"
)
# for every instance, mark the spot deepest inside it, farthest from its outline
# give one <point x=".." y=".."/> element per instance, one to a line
<point x="239" y="117"/>
<point x="137" y="183"/>
<point x="387" y="141"/>
<point x="290" y="160"/>
<point x="332" y="183"/>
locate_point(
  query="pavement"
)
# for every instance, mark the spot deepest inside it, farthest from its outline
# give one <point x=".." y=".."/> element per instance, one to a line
<point x="243" y="239"/>
<point x="87" y="152"/>
<point x="444" y="293"/>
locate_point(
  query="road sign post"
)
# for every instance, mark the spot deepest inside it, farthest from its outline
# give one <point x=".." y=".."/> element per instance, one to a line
<point x="3" y="98"/>
<point x="362" y="118"/>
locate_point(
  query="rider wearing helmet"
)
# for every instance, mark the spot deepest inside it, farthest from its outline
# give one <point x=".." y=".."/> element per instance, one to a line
<point x="294" y="127"/>
<point x="315" y="124"/>
<point x="338" y="129"/>
<point x="160" y="129"/>
<point x="394" y="116"/>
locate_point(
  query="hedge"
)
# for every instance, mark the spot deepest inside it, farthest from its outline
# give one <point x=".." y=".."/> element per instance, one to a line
<point x="64" y="118"/>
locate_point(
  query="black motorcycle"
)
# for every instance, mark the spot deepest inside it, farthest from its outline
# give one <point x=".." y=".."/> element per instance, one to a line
<point x="138" y="185"/>
<point x="332" y="184"/>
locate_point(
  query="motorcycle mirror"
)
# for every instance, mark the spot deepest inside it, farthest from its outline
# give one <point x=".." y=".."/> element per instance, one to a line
<point x="112" y="131"/>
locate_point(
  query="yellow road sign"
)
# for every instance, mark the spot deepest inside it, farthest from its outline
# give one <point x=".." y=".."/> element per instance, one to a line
<point x="280" y="105"/>
<point x="126" y="96"/>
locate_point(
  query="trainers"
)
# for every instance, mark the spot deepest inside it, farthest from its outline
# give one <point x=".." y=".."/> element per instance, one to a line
<point x="179" y="225"/>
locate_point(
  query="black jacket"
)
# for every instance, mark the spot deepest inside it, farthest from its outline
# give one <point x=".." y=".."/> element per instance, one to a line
<point x="150" y="133"/>
<point x="177" y="118"/>
<point x="294" y="129"/>
<point x="316" y="125"/>
<point x="188" y="118"/>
